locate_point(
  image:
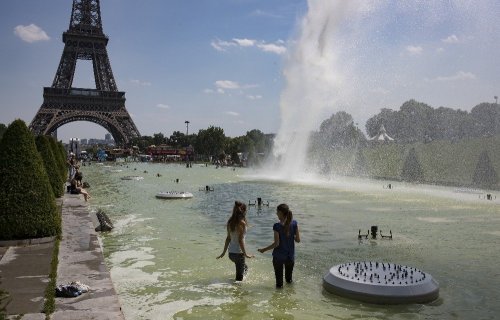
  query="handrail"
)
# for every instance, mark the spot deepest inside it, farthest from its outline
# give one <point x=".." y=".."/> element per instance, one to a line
<point x="82" y="92"/>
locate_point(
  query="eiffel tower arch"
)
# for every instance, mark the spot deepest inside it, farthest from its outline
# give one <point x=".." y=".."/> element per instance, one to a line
<point x="104" y="105"/>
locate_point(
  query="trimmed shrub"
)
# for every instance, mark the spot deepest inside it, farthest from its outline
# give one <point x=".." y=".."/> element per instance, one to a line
<point x="50" y="164"/>
<point x="360" y="163"/>
<point x="412" y="170"/>
<point x="27" y="203"/>
<point x="64" y="159"/>
<point x="60" y="158"/>
<point x="484" y="175"/>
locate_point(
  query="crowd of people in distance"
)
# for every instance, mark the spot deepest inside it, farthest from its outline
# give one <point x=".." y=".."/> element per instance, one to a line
<point x="75" y="177"/>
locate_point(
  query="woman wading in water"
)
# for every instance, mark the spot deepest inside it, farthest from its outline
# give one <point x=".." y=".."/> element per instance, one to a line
<point x="235" y="240"/>
<point x="286" y="233"/>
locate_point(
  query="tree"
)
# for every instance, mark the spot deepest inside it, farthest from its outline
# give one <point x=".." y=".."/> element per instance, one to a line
<point x="178" y="139"/>
<point x="487" y="118"/>
<point x="51" y="165"/>
<point x="360" y="167"/>
<point x="259" y="140"/>
<point x="416" y="122"/>
<point x="339" y="131"/>
<point x="447" y="124"/>
<point x="3" y="127"/>
<point x="235" y="158"/>
<point x="484" y="174"/>
<point x="414" y="119"/>
<point x="412" y="170"/>
<point x="60" y="157"/>
<point x="27" y="203"/>
<point x="386" y="117"/>
<point x="159" y="138"/>
<point x="142" y="142"/>
<point x="211" y="141"/>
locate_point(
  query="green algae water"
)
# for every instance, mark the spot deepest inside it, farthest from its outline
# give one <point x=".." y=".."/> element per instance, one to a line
<point x="162" y="253"/>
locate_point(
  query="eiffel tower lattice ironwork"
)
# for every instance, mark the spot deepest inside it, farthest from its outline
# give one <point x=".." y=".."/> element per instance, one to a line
<point x="104" y="105"/>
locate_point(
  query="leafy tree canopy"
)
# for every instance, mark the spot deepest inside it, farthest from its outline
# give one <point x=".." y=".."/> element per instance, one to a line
<point x="418" y="122"/>
<point x="3" y="127"/>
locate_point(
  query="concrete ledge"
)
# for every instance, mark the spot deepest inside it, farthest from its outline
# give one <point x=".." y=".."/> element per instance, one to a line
<point x="25" y="274"/>
<point x="25" y="268"/>
<point x="90" y="314"/>
<point x="29" y="316"/>
<point x="26" y="242"/>
<point x="81" y="259"/>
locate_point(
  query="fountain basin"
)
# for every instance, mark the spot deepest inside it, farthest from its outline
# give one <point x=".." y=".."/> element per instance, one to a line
<point x="381" y="283"/>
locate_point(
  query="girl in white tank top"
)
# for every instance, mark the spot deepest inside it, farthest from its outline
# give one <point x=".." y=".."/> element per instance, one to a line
<point x="235" y="239"/>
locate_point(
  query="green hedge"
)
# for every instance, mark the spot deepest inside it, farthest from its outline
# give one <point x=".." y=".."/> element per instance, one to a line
<point x="442" y="162"/>
<point x="51" y="165"/>
<point x="60" y="157"/>
<point x="412" y="170"/>
<point x="27" y="203"/>
<point x="4" y="296"/>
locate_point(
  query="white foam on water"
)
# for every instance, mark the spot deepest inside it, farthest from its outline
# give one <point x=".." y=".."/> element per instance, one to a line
<point x="133" y="278"/>
<point x="168" y="310"/>
<point x="436" y="220"/>
<point x="127" y="268"/>
<point x="493" y="233"/>
<point x="121" y="225"/>
<point x="146" y="239"/>
<point x="377" y="187"/>
<point x="140" y="306"/>
<point x="120" y="257"/>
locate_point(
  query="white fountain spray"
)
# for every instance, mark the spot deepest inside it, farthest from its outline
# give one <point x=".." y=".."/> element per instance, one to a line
<point x="348" y="52"/>
<point x="313" y="84"/>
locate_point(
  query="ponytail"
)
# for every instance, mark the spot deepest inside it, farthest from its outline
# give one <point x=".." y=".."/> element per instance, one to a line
<point x="239" y="214"/>
<point x="287" y="214"/>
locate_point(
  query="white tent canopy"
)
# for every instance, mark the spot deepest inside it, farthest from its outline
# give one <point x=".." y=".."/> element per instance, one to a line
<point x="382" y="135"/>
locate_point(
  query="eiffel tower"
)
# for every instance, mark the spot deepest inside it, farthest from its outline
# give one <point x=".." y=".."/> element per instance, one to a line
<point x="104" y="105"/>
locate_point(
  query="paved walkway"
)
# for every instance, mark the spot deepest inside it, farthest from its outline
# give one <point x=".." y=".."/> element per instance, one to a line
<point x="24" y="271"/>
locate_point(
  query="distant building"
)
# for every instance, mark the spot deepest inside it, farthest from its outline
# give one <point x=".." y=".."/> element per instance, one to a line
<point x="107" y="137"/>
<point x="381" y="136"/>
<point x="99" y="142"/>
<point x="74" y="146"/>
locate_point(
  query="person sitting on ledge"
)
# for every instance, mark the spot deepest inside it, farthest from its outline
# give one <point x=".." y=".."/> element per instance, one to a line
<point x="74" y="189"/>
<point x="78" y="176"/>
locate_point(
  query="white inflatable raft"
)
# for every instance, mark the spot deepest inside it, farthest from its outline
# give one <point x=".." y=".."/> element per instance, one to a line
<point x="174" y="195"/>
<point x="132" y="178"/>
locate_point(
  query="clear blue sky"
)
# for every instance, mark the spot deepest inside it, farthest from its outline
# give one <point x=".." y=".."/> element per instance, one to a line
<point x="221" y="62"/>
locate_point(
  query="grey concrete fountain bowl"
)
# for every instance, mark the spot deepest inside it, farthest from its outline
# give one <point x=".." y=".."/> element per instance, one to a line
<point x="381" y="283"/>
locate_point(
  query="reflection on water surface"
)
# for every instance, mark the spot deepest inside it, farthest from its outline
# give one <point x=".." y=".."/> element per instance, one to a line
<point x="162" y="252"/>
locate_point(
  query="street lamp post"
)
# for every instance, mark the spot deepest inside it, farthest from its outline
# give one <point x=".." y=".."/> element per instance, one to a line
<point x="187" y="127"/>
